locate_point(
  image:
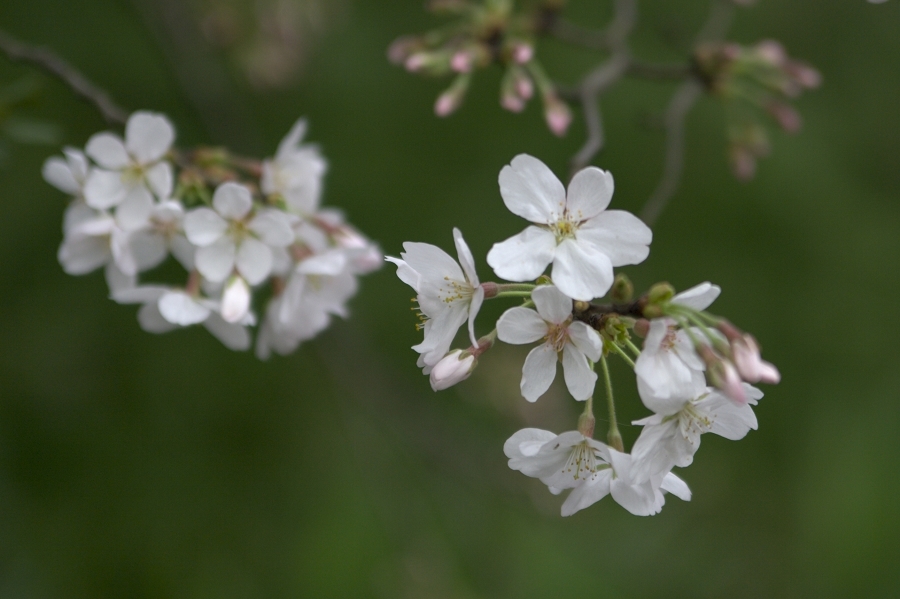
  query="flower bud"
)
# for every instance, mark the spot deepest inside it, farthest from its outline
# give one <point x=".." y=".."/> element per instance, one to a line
<point x="557" y="115"/>
<point x="235" y="300"/>
<point x="749" y="364"/>
<point x="642" y="327"/>
<point x="451" y="369"/>
<point x="622" y="289"/>
<point x="722" y="375"/>
<point x="450" y="100"/>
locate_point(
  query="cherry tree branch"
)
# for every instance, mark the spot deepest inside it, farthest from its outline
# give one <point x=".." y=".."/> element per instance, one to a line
<point x="59" y="68"/>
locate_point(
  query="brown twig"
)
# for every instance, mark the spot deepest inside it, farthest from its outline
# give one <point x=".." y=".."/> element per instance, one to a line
<point x="59" y="68"/>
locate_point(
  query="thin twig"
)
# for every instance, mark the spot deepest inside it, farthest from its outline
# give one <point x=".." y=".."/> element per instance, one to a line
<point x="59" y="68"/>
<point x="681" y="103"/>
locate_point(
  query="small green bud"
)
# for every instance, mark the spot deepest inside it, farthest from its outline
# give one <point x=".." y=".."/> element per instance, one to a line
<point x="622" y="289"/>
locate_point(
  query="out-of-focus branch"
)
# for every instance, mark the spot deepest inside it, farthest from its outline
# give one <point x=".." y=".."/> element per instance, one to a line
<point x="679" y="106"/>
<point x="602" y="78"/>
<point x="571" y="33"/>
<point x="59" y="68"/>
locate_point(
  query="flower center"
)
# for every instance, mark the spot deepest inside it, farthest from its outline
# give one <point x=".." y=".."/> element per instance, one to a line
<point x="558" y="335"/>
<point x="564" y="228"/>
<point x="693" y="422"/>
<point x="582" y="462"/>
<point x="455" y="291"/>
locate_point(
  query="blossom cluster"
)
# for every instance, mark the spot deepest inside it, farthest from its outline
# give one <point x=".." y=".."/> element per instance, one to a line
<point x="240" y="228"/>
<point x="694" y="372"/>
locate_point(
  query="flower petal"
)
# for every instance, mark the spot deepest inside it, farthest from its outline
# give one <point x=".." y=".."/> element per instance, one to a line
<point x="233" y="336"/>
<point x="474" y="307"/>
<point x="235" y="300"/>
<point x="108" y="151"/>
<point x="595" y="488"/>
<point x="552" y="304"/>
<point x="465" y="257"/>
<point x="216" y="261"/>
<point x="523" y="257"/>
<point x="272" y="227"/>
<point x="148" y="136"/>
<point x="81" y="255"/>
<point x="203" y="226"/>
<point x="580" y="379"/>
<point x="589" y="193"/>
<point x="290" y="142"/>
<point x="531" y="190"/>
<point x="134" y="211"/>
<point x="57" y="173"/>
<point x="232" y="200"/>
<point x="152" y="321"/>
<point x="521" y="325"/>
<point x="586" y="339"/>
<point x="405" y="272"/>
<point x="676" y="487"/>
<point x="254" y="261"/>
<point x="620" y="235"/>
<point x="538" y="372"/>
<point x="148" y="249"/>
<point x="580" y="271"/>
<point x="104" y="189"/>
<point x="179" y="308"/>
<point x="160" y="179"/>
<point x="698" y="297"/>
<point x="431" y="262"/>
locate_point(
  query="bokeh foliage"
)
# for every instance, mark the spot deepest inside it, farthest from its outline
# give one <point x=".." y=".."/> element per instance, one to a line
<point x="134" y="465"/>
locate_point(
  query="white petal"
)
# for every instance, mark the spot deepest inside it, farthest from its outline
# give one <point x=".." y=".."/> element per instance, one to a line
<point x="405" y="272"/>
<point x="521" y="325"/>
<point x="152" y="321"/>
<point x="586" y="339"/>
<point x="580" y="379"/>
<point x="698" y="297"/>
<point x="676" y="487"/>
<point x="431" y="262"/>
<point x="145" y="294"/>
<point x="474" y="307"/>
<point x="104" y="189"/>
<point x="439" y="335"/>
<point x="232" y="200"/>
<point x="590" y="192"/>
<point x="254" y="260"/>
<point x="551" y="304"/>
<point x="57" y="173"/>
<point x="523" y="257"/>
<point x="216" y="261"/>
<point x="118" y="281"/>
<point x="183" y="251"/>
<point x="148" y="136"/>
<point x="108" y="151"/>
<point x="620" y="235"/>
<point x="134" y="211"/>
<point x="652" y="451"/>
<point x="203" y="226"/>
<point x="580" y="271"/>
<point x="148" y="249"/>
<point x="595" y="488"/>
<point x="531" y="190"/>
<point x="330" y="264"/>
<point x="292" y="139"/>
<point x="232" y="336"/>
<point x="179" y="308"/>
<point x="160" y="179"/>
<point x="538" y="372"/>
<point x="82" y="255"/>
<point x="235" y="300"/>
<point x="78" y="163"/>
<point x="465" y="257"/>
<point x="273" y="228"/>
<point x="526" y="443"/>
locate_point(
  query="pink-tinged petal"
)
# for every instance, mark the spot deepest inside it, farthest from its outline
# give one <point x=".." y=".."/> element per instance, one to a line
<point x="474" y="307"/>
<point x="595" y="488"/>
<point x="57" y="173"/>
<point x="465" y="258"/>
<point x="104" y="189"/>
<point x="290" y="142"/>
<point x="81" y="255"/>
<point x="619" y="235"/>
<point x="254" y="260"/>
<point x="580" y="379"/>
<point x="179" y="308"/>
<point x="232" y="200"/>
<point x="134" y="211"/>
<point x="148" y="249"/>
<point x="552" y="304"/>
<point x="698" y="297"/>
<point x="538" y="372"/>
<point x="521" y="325"/>
<point x="160" y="179"/>
<point x="405" y="272"/>
<point x="152" y="321"/>
<point x="580" y="271"/>
<point x="273" y="228"/>
<point x="203" y="226"/>
<point x="216" y="261"/>
<point x="523" y="257"/>
<point x="590" y="192"/>
<point x="676" y="487"/>
<point x="586" y="339"/>
<point x="233" y="336"/>
<point x="148" y="136"/>
<point x="431" y="262"/>
<point x="531" y="190"/>
<point x="108" y="151"/>
<point x="235" y="300"/>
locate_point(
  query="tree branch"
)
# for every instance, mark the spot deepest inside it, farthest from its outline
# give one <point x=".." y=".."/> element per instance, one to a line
<point x="56" y="66"/>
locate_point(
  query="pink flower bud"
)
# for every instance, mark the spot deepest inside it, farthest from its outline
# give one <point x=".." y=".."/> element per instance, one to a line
<point x="557" y="115"/>
<point x="446" y="103"/>
<point x="512" y="102"/>
<point x="788" y="118"/>
<point x="451" y="369"/>
<point x="461" y="62"/>
<point x="416" y="62"/>
<point x="524" y="87"/>
<point x="726" y="379"/>
<point x="772" y="52"/>
<point x="750" y="365"/>
<point x="522" y="53"/>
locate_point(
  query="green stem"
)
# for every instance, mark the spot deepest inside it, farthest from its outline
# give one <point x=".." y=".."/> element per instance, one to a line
<point x="613" y="437"/>
<point x="634" y="348"/>
<point x="615" y="347"/>
<point x="515" y="287"/>
<point x="512" y="294"/>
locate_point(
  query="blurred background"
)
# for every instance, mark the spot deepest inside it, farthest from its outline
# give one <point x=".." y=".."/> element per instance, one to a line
<point x="136" y="465"/>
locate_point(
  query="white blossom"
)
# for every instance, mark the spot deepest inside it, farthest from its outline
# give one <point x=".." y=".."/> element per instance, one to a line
<point x="575" y="340"/>
<point x="573" y="230"/>
<point x="453" y="368"/>
<point x="447" y="294"/>
<point x="295" y="172"/>
<point x="561" y="461"/>
<point x="67" y="175"/>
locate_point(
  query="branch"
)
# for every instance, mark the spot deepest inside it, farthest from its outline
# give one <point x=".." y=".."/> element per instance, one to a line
<point x="676" y="113"/>
<point x="569" y="32"/>
<point x="56" y="66"/>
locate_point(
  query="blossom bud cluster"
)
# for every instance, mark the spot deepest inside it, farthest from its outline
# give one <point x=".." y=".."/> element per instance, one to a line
<point x="237" y="226"/>
<point x="485" y="33"/>
<point x="693" y="373"/>
<point x="749" y="80"/>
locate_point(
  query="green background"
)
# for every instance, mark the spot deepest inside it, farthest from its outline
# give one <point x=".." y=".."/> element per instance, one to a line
<point x="135" y="465"/>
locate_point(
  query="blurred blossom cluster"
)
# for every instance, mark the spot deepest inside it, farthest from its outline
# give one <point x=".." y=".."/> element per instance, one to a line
<point x="693" y="372"/>
<point x="485" y="33"/>
<point x="243" y="230"/>
<point x="750" y="81"/>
